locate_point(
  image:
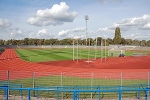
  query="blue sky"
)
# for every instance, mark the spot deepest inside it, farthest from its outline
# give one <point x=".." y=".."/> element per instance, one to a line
<point x="47" y="19"/>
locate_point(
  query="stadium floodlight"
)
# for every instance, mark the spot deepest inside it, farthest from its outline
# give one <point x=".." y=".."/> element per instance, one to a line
<point x="86" y="19"/>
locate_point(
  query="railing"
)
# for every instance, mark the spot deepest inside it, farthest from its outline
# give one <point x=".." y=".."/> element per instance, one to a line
<point x="76" y="91"/>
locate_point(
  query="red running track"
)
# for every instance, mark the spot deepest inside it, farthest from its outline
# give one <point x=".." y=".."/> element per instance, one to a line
<point x="9" y="60"/>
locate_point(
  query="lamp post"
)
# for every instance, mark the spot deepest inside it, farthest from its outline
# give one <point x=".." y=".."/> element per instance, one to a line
<point x="86" y="19"/>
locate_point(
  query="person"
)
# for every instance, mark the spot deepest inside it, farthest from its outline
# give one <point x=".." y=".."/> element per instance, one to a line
<point x="121" y="55"/>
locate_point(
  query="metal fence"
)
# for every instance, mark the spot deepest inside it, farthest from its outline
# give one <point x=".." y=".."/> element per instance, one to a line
<point x="30" y="79"/>
<point x="77" y="94"/>
<point x="47" y="80"/>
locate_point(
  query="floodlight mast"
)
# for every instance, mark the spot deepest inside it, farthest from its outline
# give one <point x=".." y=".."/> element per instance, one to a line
<point x="86" y="19"/>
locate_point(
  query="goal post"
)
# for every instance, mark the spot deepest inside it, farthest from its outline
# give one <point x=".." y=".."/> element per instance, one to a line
<point x="115" y="53"/>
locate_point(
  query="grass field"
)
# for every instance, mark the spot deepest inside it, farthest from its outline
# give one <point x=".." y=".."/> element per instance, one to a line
<point x="40" y="55"/>
<point x="74" y="81"/>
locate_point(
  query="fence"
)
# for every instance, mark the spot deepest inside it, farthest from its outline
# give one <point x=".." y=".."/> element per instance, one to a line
<point x="24" y="79"/>
<point x="29" y="79"/>
<point x="77" y="93"/>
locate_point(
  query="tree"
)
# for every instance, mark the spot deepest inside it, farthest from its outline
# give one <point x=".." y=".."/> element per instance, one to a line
<point x="143" y="43"/>
<point x="83" y="42"/>
<point x="117" y="38"/>
<point x="110" y="41"/>
<point x="136" y="42"/>
<point x="90" y="40"/>
<point x="64" y="42"/>
<point x="148" y="42"/>
<point x="70" y="41"/>
<point x="128" y="41"/>
<point x="123" y="41"/>
<point x="26" y="41"/>
<point x="1" y="42"/>
<point x="99" y="39"/>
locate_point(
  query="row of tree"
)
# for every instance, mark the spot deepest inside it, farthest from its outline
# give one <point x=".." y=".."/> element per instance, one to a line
<point x="69" y="41"/>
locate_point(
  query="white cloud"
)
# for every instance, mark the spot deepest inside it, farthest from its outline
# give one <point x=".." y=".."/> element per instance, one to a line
<point x="133" y="28"/>
<point x="137" y="22"/>
<point x="79" y="29"/>
<point x="41" y="34"/>
<point x="32" y="35"/>
<point x="141" y="23"/>
<point x="77" y="37"/>
<point x="4" y="23"/>
<point x="71" y="32"/>
<point x="145" y="27"/>
<point x="137" y="36"/>
<point x="16" y="33"/>
<point x="63" y="32"/>
<point x="43" y="31"/>
<point x="57" y="15"/>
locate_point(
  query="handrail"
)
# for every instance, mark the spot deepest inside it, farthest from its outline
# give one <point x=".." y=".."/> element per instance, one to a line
<point x="119" y="90"/>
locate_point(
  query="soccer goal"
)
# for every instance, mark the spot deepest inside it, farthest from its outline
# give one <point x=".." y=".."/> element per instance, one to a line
<point x="115" y="53"/>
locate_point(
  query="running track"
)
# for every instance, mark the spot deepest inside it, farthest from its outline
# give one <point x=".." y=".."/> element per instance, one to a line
<point x="9" y="60"/>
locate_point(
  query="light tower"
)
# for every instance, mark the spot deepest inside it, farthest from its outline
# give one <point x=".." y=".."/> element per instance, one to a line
<point x="86" y="19"/>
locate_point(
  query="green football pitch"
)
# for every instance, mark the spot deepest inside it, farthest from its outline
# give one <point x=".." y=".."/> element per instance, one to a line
<point x="41" y="55"/>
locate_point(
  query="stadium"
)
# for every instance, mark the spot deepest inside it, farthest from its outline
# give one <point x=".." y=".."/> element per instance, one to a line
<point x="67" y="72"/>
<point x="74" y="50"/>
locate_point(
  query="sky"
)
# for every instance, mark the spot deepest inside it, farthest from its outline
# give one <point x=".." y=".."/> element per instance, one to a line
<point x="45" y="19"/>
